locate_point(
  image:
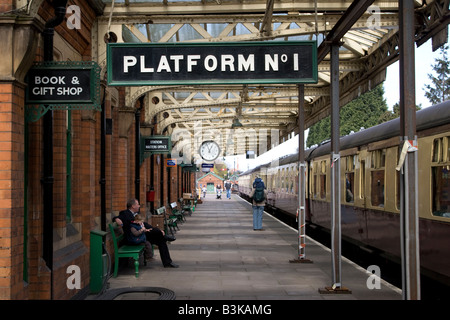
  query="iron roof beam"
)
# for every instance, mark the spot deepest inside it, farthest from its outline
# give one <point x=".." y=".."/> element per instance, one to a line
<point x="345" y="23"/>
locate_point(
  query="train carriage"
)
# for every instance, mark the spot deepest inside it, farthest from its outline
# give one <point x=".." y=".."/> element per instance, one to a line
<point x="370" y="188"/>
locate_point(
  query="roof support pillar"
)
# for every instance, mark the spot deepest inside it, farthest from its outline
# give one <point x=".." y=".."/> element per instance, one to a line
<point x="335" y="168"/>
<point x="335" y="163"/>
<point x="301" y="211"/>
<point x="409" y="220"/>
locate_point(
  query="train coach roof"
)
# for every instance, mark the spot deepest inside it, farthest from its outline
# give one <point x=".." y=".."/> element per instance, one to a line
<point x="433" y="116"/>
<point x="426" y="118"/>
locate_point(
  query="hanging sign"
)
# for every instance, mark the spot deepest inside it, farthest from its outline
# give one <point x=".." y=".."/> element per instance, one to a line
<point x="157" y="144"/>
<point x="64" y="82"/>
<point x="171" y="162"/>
<point x="62" y="85"/>
<point x="139" y="64"/>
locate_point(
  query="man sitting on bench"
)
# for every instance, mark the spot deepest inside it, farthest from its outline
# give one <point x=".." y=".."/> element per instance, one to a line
<point x="154" y="236"/>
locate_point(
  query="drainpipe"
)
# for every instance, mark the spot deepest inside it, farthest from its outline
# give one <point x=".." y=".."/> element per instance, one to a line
<point x="137" y="139"/>
<point x="103" y="163"/>
<point x="152" y="173"/>
<point x="47" y="180"/>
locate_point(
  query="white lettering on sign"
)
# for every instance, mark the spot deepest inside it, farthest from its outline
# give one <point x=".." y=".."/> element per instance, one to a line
<point x="143" y="68"/>
<point x="192" y="61"/>
<point x="187" y="63"/>
<point x="271" y="62"/>
<point x="295" y="61"/>
<point x="211" y="63"/>
<point x="129" y="61"/>
<point x="70" y="91"/>
<point x="246" y="65"/>
<point x="47" y="90"/>
<point x="227" y="60"/>
<point x="49" y="80"/>
<point x="163" y="65"/>
<point x="41" y="91"/>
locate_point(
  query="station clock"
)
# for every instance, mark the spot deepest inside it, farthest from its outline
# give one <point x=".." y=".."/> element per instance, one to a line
<point x="209" y="150"/>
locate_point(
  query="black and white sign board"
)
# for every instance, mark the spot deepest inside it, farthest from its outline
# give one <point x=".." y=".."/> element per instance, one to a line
<point x="131" y="64"/>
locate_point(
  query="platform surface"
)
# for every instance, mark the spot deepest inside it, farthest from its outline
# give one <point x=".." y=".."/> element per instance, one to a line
<point x="221" y="257"/>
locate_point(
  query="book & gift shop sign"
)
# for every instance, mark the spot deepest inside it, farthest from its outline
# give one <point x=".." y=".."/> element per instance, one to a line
<point x="65" y="82"/>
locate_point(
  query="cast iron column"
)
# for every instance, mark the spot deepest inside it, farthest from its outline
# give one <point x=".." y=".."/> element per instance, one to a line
<point x="409" y="221"/>
<point x="47" y="179"/>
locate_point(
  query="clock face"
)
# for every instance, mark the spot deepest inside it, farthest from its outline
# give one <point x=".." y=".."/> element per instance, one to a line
<point x="209" y="150"/>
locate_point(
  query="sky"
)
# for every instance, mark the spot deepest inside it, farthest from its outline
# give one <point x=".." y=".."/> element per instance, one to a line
<point x="424" y="59"/>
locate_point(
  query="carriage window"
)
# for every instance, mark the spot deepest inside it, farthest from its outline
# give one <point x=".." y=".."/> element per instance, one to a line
<point x="349" y="178"/>
<point x="291" y="178"/>
<point x="378" y="159"/>
<point x="323" y="184"/>
<point x="349" y="190"/>
<point x="316" y="186"/>
<point x="440" y="176"/>
<point x="323" y="179"/>
<point x="319" y="180"/>
<point x="278" y="179"/>
<point x="437" y="150"/>
<point x="377" y="194"/>
<point x="441" y="191"/>
<point x="362" y="181"/>
<point x="377" y="177"/>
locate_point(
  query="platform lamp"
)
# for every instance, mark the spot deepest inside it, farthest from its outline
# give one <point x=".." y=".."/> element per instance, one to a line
<point x="236" y="124"/>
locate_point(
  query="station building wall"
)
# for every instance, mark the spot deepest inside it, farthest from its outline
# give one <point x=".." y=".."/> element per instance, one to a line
<point x="76" y="138"/>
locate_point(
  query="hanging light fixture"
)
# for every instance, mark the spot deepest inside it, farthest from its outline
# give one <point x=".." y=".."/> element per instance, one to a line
<point x="236" y="123"/>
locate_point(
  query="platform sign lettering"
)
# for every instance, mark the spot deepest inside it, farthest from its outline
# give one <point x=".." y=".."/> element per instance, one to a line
<point x="131" y="64"/>
<point x="157" y="144"/>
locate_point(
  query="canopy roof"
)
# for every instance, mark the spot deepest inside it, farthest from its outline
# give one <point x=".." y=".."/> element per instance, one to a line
<point x="367" y="31"/>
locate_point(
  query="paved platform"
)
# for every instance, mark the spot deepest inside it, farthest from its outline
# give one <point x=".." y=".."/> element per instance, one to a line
<point x="221" y="257"/>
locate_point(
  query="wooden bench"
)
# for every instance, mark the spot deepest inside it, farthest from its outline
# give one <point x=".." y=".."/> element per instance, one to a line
<point x="125" y="251"/>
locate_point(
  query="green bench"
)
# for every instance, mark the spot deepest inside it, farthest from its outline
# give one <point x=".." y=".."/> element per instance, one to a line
<point x="177" y="213"/>
<point x="125" y="251"/>
<point x="185" y="207"/>
<point x="170" y="222"/>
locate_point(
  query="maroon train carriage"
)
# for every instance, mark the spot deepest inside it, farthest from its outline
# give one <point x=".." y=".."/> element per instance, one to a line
<point x="370" y="184"/>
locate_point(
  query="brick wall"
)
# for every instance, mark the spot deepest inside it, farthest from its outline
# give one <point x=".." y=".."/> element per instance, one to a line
<point x="210" y="178"/>
<point x="11" y="190"/>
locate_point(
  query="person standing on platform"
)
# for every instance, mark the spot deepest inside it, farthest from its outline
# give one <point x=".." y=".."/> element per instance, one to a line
<point x="154" y="235"/>
<point x="258" y="195"/>
<point x="228" y="188"/>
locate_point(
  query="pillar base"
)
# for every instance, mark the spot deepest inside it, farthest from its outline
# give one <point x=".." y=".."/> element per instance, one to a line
<point x="298" y="260"/>
<point x="337" y="290"/>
